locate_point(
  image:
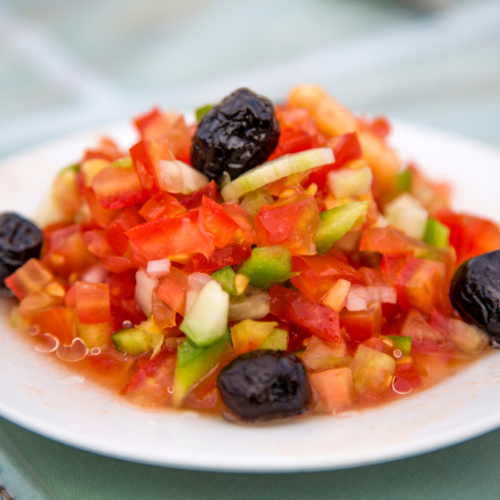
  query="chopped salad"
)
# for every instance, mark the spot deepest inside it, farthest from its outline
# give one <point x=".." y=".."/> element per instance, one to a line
<point x="265" y="262"/>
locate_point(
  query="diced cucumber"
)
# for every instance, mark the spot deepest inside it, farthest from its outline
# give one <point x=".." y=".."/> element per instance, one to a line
<point x="437" y="234"/>
<point x="276" y="169"/>
<point x="348" y="182"/>
<point x="401" y="343"/>
<point x="193" y="363"/>
<point x="249" y="335"/>
<point x="337" y="222"/>
<point x="206" y="321"/>
<point x="372" y="371"/>
<point x="225" y="277"/>
<point x="135" y="341"/>
<point x="407" y="213"/>
<point x="277" y="340"/>
<point x="268" y="266"/>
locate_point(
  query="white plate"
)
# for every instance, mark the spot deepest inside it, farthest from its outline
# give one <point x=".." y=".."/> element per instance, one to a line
<point x="38" y="394"/>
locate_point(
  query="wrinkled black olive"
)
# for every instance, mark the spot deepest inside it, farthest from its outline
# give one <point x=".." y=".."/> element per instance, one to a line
<point x="20" y="240"/>
<point x="264" y="385"/>
<point x="475" y="292"/>
<point x="235" y="136"/>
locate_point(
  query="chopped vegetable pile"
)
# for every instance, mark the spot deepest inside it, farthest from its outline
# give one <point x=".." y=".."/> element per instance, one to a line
<point x="265" y="262"/>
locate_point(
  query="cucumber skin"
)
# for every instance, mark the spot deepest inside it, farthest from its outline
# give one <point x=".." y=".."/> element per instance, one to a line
<point x="193" y="363"/>
<point x="134" y="341"/>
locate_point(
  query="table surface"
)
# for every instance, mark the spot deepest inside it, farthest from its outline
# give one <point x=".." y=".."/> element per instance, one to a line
<point x="67" y="65"/>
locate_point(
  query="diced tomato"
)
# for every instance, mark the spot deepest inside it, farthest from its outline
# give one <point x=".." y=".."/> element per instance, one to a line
<point x="470" y="236"/>
<point x="230" y="255"/>
<point x="292" y="223"/>
<point x="121" y="291"/>
<point x="425" y="337"/>
<point x="171" y="237"/>
<point x="361" y="325"/>
<point x="334" y="387"/>
<point x="153" y="124"/>
<point x="164" y="315"/>
<point x="392" y="263"/>
<point x="117" y="187"/>
<point x="107" y="150"/>
<point x="58" y="321"/>
<point x="218" y="223"/>
<point x="67" y="252"/>
<point x="29" y="278"/>
<point x="101" y="215"/>
<point x="296" y="338"/>
<point x="160" y="206"/>
<point x="151" y="383"/>
<point x="246" y="233"/>
<point x="378" y="345"/>
<point x="116" y="239"/>
<point x="172" y="289"/>
<point x="409" y="372"/>
<point x="318" y="273"/>
<point x="145" y="156"/>
<point x="379" y="126"/>
<point x="388" y="240"/>
<point x="92" y="303"/>
<point x="421" y="284"/>
<point x="345" y="148"/>
<point x="301" y="311"/>
<point x="193" y="200"/>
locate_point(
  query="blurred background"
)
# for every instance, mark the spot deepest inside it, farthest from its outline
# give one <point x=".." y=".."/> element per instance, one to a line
<point x="67" y="65"/>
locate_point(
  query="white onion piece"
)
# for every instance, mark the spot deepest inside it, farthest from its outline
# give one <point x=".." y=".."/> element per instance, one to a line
<point x="144" y="288"/>
<point x="95" y="274"/>
<point x="361" y="297"/>
<point x="74" y="352"/>
<point x="175" y="176"/>
<point x="158" y="268"/>
<point x="46" y="343"/>
<point x="253" y="307"/>
<point x="196" y="283"/>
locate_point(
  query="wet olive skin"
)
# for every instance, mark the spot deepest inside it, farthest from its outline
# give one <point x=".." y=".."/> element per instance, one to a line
<point x="475" y="292"/>
<point x="20" y="241"/>
<point x="265" y="385"/>
<point x="235" y="136"/>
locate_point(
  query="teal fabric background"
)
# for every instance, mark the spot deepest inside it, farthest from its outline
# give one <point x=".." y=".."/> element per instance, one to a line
<point x="467" y="471"/>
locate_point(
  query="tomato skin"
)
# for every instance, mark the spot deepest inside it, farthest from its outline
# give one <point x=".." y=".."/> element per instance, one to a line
<point x="470" y="236"/>
<point x="92" y="303"/>
<point x="361" y="325"/>
<point x="421" y="284"/>
<point x="160" y="206"/>
<point x="217" y="223"/>
<point x="292" y="223"/>
<point x="145" y="156"/>
<point x="118" y="187"/>
<point x="318" y="273"/>
<point x="102" y="216"/>
<point x="193" y="200"/>
<point x="150" y="385"/>
<point x="121" y="292"/>
<point x="230" y="255"/>
<point x="392" y="263"/>
<point x="152" y="125"/>
<point x="246" y="233"/>
<point x="301" y="311"/>
<point x="172" y="289"/>
<point x="172" y="236"/>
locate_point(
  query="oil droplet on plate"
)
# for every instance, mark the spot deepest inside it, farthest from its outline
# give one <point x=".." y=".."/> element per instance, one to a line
<point x="74" y="352"/>
<point x="45" y="343"/>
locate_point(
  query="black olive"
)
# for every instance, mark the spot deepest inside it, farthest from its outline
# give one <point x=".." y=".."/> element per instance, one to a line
<point x="475" y="292"/>
<point x="20" y="240"/>
<point x="264" y="385"/>
<point x="235" y="136"/>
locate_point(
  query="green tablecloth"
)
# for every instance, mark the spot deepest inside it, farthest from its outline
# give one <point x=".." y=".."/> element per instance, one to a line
<point x="467" y="471"/>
